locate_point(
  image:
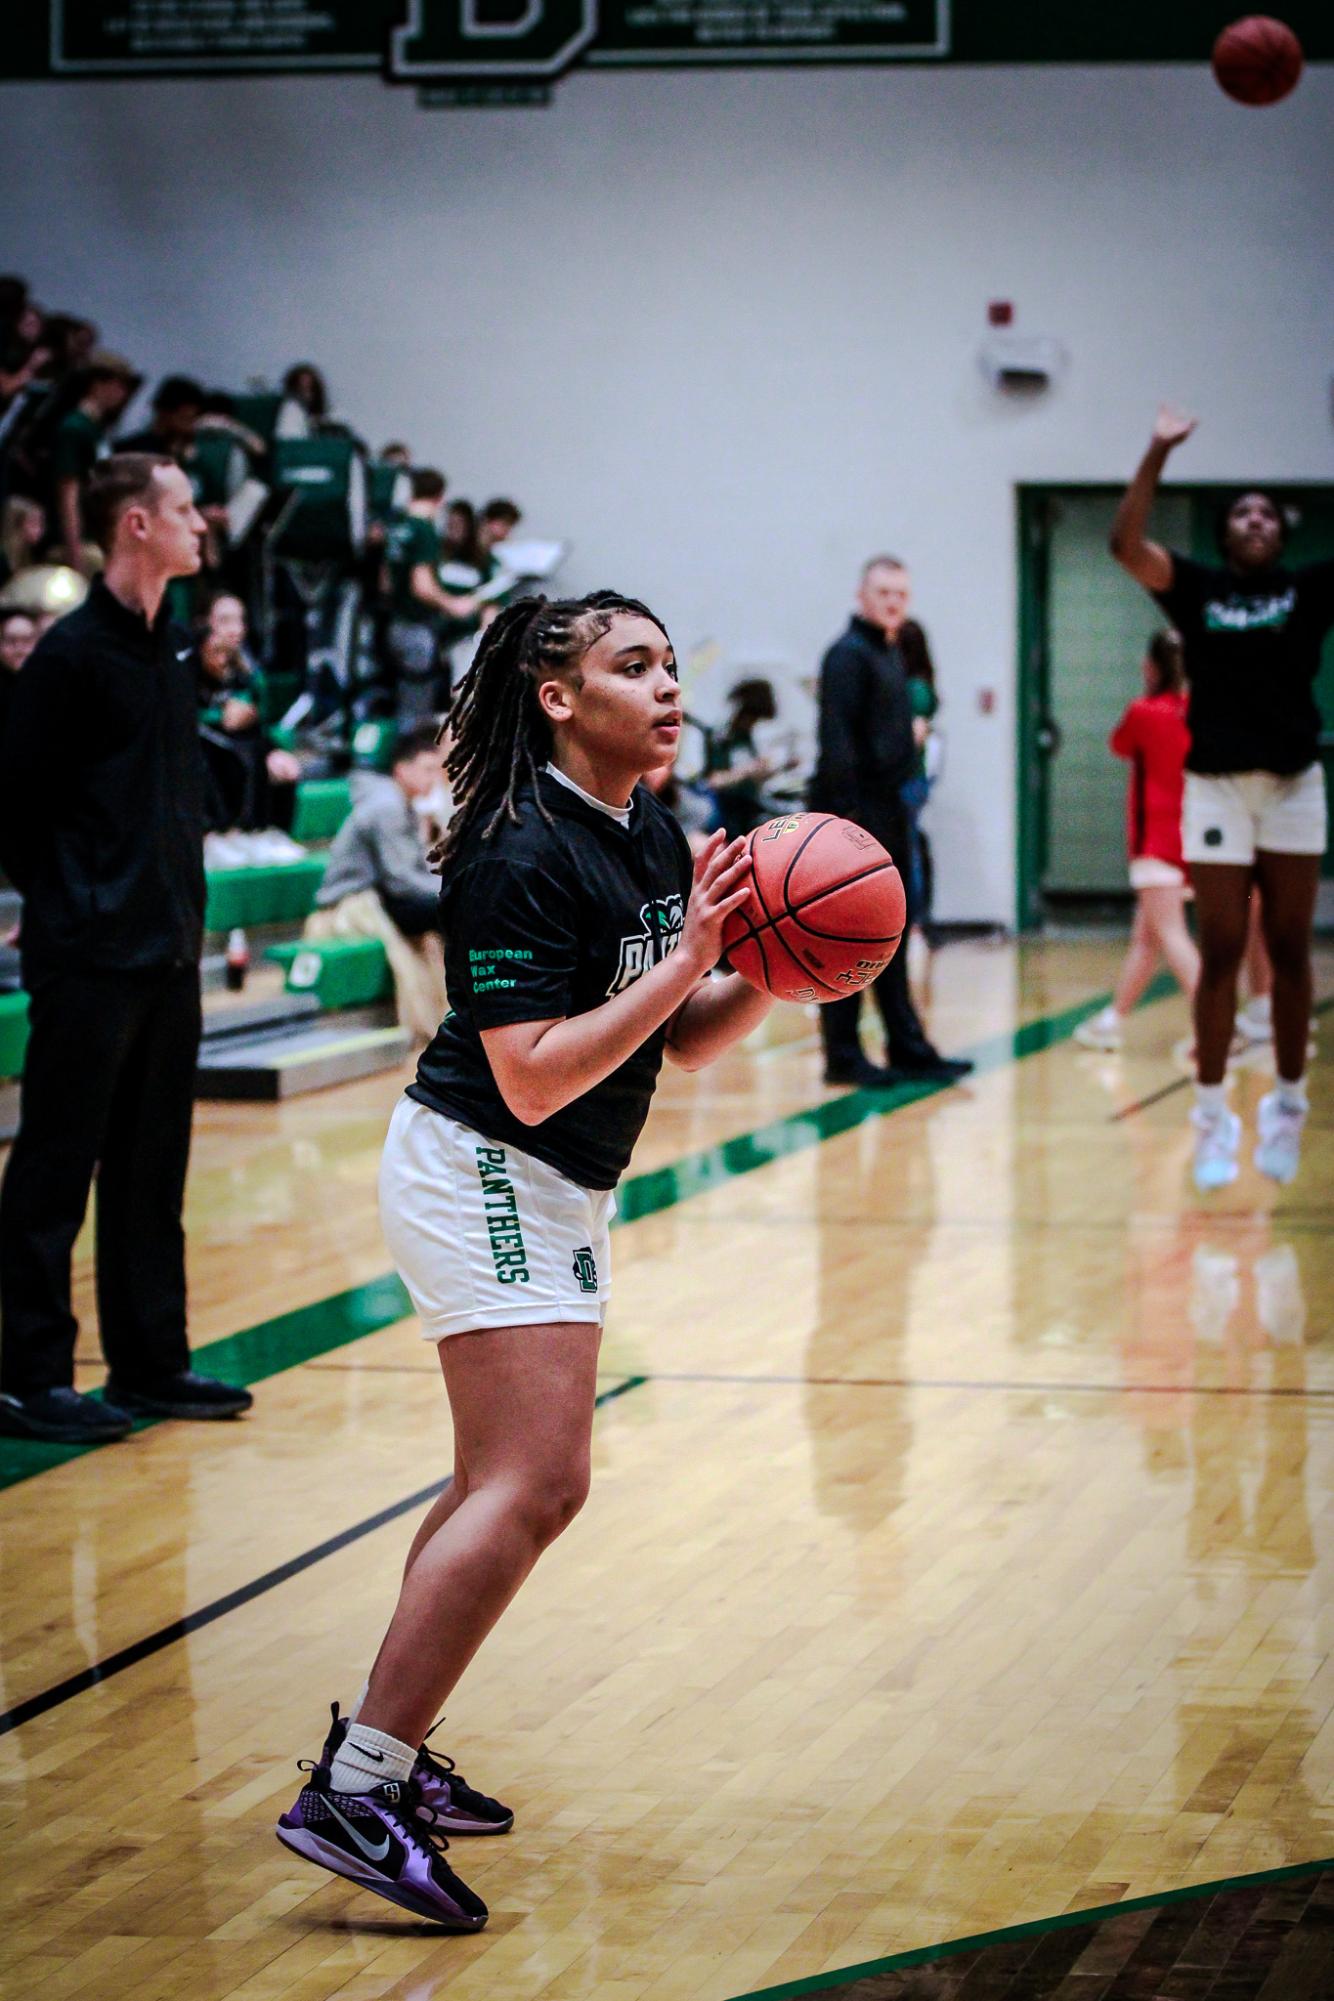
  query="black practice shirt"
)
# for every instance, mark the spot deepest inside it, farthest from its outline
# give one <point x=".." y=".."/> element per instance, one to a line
<point x="547" y="921"/>
<point x="101" y="806"/>
<point x="1252" y="651"/>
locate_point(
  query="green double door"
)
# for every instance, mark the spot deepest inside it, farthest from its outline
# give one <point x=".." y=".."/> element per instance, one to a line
<point x="1084" y="627"/>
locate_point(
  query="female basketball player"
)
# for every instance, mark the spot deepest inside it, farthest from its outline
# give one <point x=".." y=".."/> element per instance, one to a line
<point x="1152" y="734"/>
<point x="580" y="936"/>
<point x="1255" y="792"/>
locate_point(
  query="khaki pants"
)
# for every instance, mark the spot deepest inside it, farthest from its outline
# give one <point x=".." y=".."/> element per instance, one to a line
<point x="417" y="964"/>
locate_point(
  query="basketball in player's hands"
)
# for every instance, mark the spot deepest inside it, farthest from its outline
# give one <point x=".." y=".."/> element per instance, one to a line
<point x="1257" y="60"/>
<point x="825" y="911"/>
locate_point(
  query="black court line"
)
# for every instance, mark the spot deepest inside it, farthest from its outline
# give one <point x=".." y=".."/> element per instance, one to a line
<point x="966" y="1383"/>
<point x="208" y="1615"/>
<point x="1154" y="1098"/>
<point x="1181" y="1083"/>
<point x="905" y="1382"/>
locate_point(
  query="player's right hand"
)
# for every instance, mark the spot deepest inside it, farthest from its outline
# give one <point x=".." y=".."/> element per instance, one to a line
<point x="722" y="884"/>
<point x="1172" y="427"/>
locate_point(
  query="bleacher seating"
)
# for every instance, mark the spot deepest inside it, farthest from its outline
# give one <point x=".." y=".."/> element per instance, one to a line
<point x="340" y="972"/>
<point x="322" y="805"/>
<point x="13" y="1033"/>
<point x="281" y="894"/>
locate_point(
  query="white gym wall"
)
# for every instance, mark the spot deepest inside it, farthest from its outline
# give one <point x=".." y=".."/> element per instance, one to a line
<point x="721" y="330"/>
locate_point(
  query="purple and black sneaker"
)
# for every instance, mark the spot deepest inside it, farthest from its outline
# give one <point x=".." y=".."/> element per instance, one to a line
<point x="378" y="1840"/>
<point x="456" y="1807"/>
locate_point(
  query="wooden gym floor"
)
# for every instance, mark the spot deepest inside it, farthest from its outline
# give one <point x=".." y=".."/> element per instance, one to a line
<point x="961" y="1550"/>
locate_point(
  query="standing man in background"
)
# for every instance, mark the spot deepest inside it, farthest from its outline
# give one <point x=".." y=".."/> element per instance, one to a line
<point x="866" y="752"/>
<point x="101" y="829"/>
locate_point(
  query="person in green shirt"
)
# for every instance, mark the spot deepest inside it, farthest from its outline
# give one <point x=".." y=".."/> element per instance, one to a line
<point x="80" y="442"/>
<point x="253" y="785"/>
<point x="418" y="601"/>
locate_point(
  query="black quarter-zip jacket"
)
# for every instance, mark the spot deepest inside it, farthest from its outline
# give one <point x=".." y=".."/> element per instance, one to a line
<point x="101" y="815"/>
<point x="547" y="920"/>
<point x="865" y="748"/>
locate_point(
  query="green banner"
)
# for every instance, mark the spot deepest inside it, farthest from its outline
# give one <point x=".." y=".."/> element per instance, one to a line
<point x="447" y="42"/>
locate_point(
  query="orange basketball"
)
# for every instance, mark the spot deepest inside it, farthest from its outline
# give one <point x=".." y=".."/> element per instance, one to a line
<point x="825" y="911"/>
<point x="1257" y="60"/>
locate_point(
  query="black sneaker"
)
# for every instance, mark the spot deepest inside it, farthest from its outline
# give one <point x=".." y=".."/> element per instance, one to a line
<point x="932" y="1067"/>
<point x="183" y="1395"/>
<point x="865" y="1075"/>
<point x="443" y="1794"/>
<point x="64" y="1417"/>
<point x="384" y="1841"/>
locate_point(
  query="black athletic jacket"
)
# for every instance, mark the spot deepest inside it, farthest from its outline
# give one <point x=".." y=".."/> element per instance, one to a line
<point x="865" y="749"/>
<point x="101" y="816"/>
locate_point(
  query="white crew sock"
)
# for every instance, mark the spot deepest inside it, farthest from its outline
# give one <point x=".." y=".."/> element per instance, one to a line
<point x="369" y="1758"/>
<point x="1259" y="1008"/>
<point x="1211" y="1100"/>
<point x="1291" y="1097"/>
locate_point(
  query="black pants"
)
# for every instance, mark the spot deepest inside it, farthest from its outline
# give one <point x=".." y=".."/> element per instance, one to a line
<point x="108" y="1087"/>
<point x="905" y="1038"/>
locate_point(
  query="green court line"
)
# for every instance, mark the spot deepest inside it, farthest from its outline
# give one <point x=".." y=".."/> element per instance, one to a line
<point x="273" y="1346"/>
<point x="926" y="1955"/>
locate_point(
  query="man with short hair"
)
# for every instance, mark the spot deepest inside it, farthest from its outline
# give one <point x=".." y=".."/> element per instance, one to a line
<point x="81" y="440"/>
<point x="178" y="405"/>
<point x="866" y="751"/>
<point x="419" y="602"/>
<point x="101" y="830"/>
<point x="496" y="523"/>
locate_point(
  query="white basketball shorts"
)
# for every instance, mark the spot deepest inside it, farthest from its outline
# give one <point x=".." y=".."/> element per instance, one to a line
<point x="486" y="1236"/>
<point x="1227" y="819"/>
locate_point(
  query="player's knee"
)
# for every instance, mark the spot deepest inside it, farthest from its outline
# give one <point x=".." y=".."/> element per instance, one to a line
<point x="548" y="1505"/>
<point x="1221" y="953"/>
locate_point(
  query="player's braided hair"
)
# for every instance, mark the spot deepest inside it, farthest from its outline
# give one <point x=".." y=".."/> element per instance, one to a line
<point x="500" y="738"/>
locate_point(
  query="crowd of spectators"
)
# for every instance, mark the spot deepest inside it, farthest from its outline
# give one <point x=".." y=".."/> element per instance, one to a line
<point x="428" y="569"/>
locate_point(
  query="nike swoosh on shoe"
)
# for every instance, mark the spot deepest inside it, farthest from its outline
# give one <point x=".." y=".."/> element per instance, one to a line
<point x="368" y="1848"/>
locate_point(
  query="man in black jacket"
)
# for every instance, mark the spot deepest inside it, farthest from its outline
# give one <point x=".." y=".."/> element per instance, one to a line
<point x="865" y="754"/>
<point x="101" y="830"/>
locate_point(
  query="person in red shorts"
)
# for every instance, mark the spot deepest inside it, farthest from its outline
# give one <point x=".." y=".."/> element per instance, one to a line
<point x="1153" y="736"/>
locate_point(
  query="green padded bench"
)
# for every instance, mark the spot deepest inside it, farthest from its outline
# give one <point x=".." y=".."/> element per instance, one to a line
<point x="281" y="894"/>
<point x="340" y="972"/>
<point x="13" y="1033"/>
<point x="322" y="805"/>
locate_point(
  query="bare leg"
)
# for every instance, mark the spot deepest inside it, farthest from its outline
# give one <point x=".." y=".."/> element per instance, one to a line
<point x="1259" y="972"/>
<point x="1137" y="968"/>
<point x="1165" y="915"/>
<point x="440" y="1510"/>
<point x="522" y="1400"/>
<point x="1288" y="886"/>
<point x="1222" y="892"/>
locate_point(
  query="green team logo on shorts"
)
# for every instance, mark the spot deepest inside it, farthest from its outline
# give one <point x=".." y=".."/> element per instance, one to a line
<point x="585" y="1269"/>
<point x="501" y="1210"/>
